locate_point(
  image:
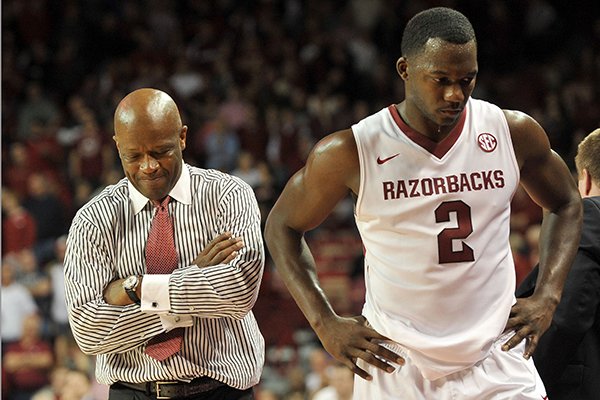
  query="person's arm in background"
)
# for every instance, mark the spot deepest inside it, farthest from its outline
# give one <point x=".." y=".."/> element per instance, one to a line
<point x="577" y="310"/>
<point x="548" y="181"/>
<point x="331" y="172"/>
<point x="41" y="358"/>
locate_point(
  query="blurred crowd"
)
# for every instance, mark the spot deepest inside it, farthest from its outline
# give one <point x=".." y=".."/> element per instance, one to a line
<point x="258" y="82"/>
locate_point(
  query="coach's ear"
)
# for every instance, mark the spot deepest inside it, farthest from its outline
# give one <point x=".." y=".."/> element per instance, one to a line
<point x="585" y="183"/>
<point x="402" y="68"/>
<point x="183" y="137"/>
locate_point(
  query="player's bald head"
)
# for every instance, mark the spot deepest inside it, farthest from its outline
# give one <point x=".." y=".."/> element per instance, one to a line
<point x="146" y="106"/>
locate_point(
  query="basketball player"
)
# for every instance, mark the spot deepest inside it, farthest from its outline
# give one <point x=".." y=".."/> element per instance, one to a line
<point x="433" y="178"/>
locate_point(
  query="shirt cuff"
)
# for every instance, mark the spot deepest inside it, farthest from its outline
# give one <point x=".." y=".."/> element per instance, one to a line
<point x="155" y="294"/>
<point x="171" y="321"/>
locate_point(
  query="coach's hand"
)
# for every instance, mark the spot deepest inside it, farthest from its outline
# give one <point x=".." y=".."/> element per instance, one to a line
<point x="348" y="339"/>
<point x="530" y="317"/>
<point x="221" y="250"/>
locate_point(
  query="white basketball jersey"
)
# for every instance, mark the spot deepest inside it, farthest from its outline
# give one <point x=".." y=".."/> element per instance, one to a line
<point x="434" y="220"/>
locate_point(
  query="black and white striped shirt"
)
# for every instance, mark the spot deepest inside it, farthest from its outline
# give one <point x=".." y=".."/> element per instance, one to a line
<point x="107" y="241"/>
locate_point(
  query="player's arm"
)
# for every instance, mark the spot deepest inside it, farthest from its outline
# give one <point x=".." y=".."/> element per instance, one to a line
<point x="331" y="171"/>
<point x="548" y="181"/>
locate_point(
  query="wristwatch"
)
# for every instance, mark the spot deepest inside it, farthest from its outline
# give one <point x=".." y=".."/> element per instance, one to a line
<point x="130" y="284"/>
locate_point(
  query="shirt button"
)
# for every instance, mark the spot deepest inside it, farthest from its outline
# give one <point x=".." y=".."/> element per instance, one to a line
<point x="192" y="308"/>
<point x="177" y="319"/>
<point x="154" y="304"/>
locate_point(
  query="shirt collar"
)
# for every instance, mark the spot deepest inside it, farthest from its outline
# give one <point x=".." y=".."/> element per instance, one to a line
<point x="182" y="191"/>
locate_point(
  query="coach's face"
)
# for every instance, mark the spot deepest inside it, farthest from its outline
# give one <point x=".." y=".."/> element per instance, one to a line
<point x="150" y="139"/>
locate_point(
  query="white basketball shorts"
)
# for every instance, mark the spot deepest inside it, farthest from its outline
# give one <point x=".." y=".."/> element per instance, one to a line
<point x="502" y="375"/>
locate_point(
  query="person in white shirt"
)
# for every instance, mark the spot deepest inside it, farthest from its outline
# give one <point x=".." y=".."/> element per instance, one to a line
<point x="17" y="304"/>
<point x="118" y="309"/>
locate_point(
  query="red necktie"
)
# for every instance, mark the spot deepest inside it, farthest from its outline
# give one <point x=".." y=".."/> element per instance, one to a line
<point x="161" y="258"/>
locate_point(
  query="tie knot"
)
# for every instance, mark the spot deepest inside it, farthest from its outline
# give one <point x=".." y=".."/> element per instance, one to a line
<point x="161" y="204"/>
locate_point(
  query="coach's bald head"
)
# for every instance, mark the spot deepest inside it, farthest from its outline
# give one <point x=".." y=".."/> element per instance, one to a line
<point x="150" y="139"/>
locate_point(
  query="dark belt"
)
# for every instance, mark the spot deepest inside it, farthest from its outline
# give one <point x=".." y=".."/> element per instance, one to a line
<point x="174" y="389"/>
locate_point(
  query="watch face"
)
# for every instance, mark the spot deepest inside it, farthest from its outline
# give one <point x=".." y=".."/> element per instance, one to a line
<point x="130" y="282"/>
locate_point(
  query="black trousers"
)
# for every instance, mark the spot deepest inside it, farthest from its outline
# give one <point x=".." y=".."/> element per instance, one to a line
<point x="220" y="393"/>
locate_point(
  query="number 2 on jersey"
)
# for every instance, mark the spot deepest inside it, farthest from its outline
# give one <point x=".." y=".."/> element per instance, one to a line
<point x="463" y="229"/>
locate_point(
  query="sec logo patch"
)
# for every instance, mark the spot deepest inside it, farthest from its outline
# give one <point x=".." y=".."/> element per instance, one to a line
<point x="487" y="142"/>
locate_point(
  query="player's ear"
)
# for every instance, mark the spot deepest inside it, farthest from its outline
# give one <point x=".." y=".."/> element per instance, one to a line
<point x="402" y="68"/>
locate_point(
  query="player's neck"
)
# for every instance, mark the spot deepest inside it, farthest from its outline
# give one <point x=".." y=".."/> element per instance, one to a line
<point x="422" y="125"/>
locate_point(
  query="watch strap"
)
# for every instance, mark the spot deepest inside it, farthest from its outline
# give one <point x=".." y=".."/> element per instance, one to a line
<point x="132" y="294"/>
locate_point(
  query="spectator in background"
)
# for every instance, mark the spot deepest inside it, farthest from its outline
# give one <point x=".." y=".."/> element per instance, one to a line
<point x="48" y="211"/>
<point x="28" y="361"/>
<point x="341" y="383"/>
<point x="221" y="146"/>
<point x="185" y="80"/>
<point x="56" y="273"/>
<point x="521" y="256"/>
<point x="316" y="378"/>
<point x="19" y="229"/>
<point x="266" y="394"/>
<point x="36" y="108"/>
<point x="265" y="191"/>
<point x="92" y="153"/>
<point x="524" y="211"/>
<point x="235" y="110"/>
<point x="17" y="167"/>
<point x="69" y="355"/>
<point x="53" y="390"/>
<point x="247" y="170"/>
<point x="47" y="153"/>
<point x="29" y="273"/>
<point x="77" y="386"/>
<point x="17" y="304"/>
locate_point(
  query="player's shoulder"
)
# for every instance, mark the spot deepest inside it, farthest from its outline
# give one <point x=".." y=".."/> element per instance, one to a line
<point x="334" y="159"/>
<point x="528" y="137"/>
<point x="336" y="143"/>
<point x="337" y="150"/>
<point x="519" y="119"/>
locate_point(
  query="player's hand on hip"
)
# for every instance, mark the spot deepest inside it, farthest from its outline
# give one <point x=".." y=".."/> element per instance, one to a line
<point x="529" y="318"/>
<point x="350" y="339"/>
<point x="221" y="250"/>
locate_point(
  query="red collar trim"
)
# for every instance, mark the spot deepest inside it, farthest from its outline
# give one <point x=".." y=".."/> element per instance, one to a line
<point x="437" y="149"/>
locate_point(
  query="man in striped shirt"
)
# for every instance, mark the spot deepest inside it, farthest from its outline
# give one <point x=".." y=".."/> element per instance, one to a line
<point x="116" y="307"/>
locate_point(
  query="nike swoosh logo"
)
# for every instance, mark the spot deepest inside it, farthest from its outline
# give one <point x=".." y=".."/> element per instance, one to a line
<point x="384" y="160"/>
